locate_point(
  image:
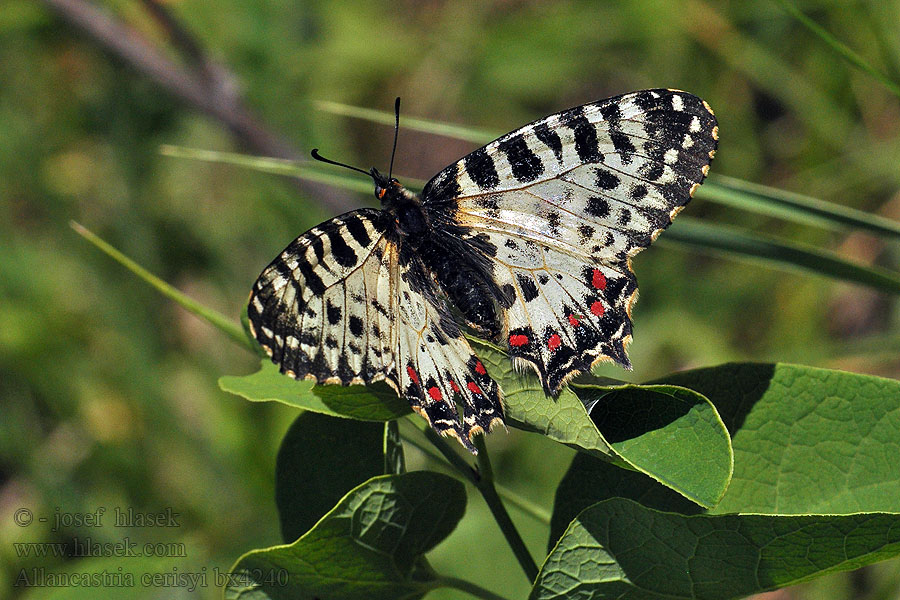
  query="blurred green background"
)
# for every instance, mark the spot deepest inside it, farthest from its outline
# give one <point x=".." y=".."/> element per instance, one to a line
<point x="108" y="392"/>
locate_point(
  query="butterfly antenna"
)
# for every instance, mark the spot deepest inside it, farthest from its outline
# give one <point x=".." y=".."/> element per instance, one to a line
<point x="317" y="156"/>
<point x="396" y="132"/>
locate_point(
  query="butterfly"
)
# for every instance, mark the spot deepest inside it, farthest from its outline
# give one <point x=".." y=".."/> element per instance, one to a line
<point x="526" y="241"/>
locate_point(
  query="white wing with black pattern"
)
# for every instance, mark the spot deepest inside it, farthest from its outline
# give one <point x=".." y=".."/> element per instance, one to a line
<point x="566" y="202"/>
<point x="336" y="306"/>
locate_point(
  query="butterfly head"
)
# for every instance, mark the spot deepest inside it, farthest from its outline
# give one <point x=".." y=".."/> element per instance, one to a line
<point x="386" y="188"/>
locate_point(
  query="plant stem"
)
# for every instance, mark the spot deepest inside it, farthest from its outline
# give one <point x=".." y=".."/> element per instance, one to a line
<point x="528" y="507"/>
<point x="483" y="480"/>
<point x="485" y="484"/>
<point x="469" y="587"/>
<point x="216" y="319"/>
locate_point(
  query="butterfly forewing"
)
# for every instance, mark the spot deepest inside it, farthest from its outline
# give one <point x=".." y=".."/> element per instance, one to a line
<point x="325" y="308"/>
<point x="567" y="201"/>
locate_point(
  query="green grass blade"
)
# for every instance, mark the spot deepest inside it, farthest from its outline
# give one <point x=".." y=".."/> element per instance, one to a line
<point x="277" y="166"/>
<point x="778" y="253"/>
<point x="216" y="319"/>
<point x="790" y="206"/>
<point x="459" y="132"/>
<point x="840" y="48"/>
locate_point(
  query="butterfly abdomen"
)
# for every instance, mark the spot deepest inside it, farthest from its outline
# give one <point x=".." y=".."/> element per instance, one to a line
<point x="464" y="282"/>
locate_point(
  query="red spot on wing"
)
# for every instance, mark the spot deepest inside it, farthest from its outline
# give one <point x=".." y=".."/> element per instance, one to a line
<point x="518" y="340"/>
<point x="412" y="375"/>
<point x="473" y="387"/>
<point x="597" y="308"/>
<point x="598" y="280"/>
<point x="573" y="321"/>
<point x="479" y="368"/>
<point x="454" y="387"/>
<point x="435" y="394"/>
<point x="554" y="342"/>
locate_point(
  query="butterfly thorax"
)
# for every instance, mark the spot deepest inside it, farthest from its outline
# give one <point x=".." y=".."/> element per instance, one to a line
<point x="409" y="216"/>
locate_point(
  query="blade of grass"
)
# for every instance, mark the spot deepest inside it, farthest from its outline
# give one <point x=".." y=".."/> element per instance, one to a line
<point x="277" y="166"/>
<point x="840" y="48"/>
<point x="777" y="253"/>
<point x="216" y="319"/>
<point x="459" y="132"/>
<point x="790" y="206"/>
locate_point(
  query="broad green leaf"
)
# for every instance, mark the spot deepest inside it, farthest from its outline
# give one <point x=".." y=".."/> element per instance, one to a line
<point x="369" y="546"/>
<point x="672" y="434"/>
<point x="620" y="549"/>
<point x="590" y="480"/>
<point x="321" y="458"/>
<point x="376" y="402"/>
<point x="806" y="440"/>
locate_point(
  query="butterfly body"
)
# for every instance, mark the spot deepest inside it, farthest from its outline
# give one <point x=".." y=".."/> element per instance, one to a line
<point x="527" y="241"/>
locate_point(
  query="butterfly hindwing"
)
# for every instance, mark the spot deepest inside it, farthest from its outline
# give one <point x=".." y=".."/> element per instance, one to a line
<point x="565" y="203"/>
<point x="439" y="368"/>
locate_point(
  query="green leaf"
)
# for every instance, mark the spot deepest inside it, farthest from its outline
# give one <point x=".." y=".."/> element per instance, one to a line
<point x="620" y="549"/>
<point x="369" y="546"/>
<point x="322" y="458"/>
<point x="590" y="480"/>
<point x="375" y="402"/>
<point x="806" y="440"/>
<point x="674" y="435"/>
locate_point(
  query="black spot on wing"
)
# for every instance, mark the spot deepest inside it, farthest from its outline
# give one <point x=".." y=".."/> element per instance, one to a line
<point x="481" y="170"/>
<point x="356" y="326"/>
<point x="638" y="192"/>
<point x="318" y="247"/>
<point x="334" y="313"/>
<point x="443" y="187"/>
<point x="312" y="279"/>
<point x="525" y="164"/>
<point x="550" y="138"/>
<point x="611" y="112"/>
<point x="357" y="230"/>
<point x="585" y="135"/>
<point x="585" y="233"/>
<point x="605" y="180"/>
<point x="597" y="207"/>
<point x="645" y="100"/>
<point x="526" y="284"/>
<point x="622" y="143"/>
<point x="343" y="254"/>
